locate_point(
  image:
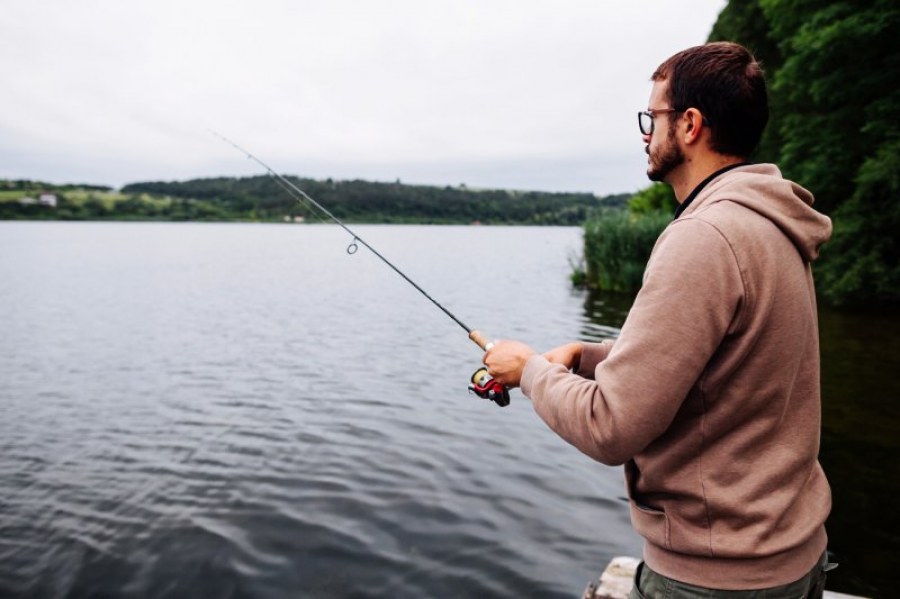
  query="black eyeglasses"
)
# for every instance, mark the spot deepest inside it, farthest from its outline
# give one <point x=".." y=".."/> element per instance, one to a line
<point x="646" y="117"/>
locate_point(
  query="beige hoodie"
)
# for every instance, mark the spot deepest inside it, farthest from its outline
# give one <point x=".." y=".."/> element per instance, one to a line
<point x="710" y="395"/>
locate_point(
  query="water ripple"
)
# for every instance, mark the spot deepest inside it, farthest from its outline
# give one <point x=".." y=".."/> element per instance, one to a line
<point x="278" y="427"/>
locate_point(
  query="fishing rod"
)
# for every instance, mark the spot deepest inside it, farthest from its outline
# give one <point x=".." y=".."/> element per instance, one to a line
<point x="481" y="382"/>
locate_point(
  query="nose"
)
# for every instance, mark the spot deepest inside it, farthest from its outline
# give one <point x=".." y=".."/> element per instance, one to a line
<point x="646" y="138"/>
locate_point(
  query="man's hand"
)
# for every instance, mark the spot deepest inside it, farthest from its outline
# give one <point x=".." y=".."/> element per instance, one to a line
<point x="505" y="361"/>
<point x="569" y="355"/>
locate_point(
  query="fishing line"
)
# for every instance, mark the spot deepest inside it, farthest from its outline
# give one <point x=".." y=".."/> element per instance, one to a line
<point x="302" y="197"/>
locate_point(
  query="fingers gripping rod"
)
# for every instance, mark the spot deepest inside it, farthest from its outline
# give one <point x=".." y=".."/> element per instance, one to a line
<point x="301" y="195"/>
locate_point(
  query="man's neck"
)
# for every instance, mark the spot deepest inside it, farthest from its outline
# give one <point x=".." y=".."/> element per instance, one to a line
<point x="695" y="169"/>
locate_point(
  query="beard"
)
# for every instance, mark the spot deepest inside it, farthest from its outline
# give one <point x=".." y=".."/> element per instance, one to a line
<point x="664" y="159"/>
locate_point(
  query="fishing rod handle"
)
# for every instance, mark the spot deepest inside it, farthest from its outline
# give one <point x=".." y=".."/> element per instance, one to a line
<point x="480" y="340"/>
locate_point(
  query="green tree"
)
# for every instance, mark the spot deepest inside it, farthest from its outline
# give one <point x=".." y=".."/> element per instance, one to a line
<point x="659" y="197"/>
<point x="865" y="252"/>
<point x="834" y="79"/>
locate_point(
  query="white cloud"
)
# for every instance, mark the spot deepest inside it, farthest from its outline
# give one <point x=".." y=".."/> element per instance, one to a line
<point x="526" y="94"/>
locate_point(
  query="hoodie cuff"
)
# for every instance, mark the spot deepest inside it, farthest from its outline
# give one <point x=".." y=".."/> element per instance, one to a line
<point x="533" y="367"/>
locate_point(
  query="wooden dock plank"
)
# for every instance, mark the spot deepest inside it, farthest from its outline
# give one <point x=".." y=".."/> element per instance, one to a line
<point x="618" y="577"/>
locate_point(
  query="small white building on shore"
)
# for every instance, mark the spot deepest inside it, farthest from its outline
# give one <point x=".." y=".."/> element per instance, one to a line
<point x="44" y="199"/>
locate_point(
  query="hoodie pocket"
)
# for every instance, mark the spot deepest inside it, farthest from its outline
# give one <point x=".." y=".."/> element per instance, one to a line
<point x="649" y="522"/>
<point x="652" y="524"/>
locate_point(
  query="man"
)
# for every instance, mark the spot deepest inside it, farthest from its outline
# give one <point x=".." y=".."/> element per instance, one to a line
<point x="710" y="394"/>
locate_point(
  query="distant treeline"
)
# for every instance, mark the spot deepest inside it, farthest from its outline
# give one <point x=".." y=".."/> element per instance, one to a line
<point x="262" y="198"/>
<point x="30" y="186"/>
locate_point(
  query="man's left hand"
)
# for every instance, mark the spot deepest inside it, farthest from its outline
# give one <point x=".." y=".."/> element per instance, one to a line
<point x="506" y="360"/>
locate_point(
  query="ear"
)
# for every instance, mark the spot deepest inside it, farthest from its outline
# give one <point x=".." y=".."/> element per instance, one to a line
<point x="693" y="125"/>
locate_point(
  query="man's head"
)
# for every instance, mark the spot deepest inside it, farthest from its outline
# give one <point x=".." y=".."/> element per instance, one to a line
<point x="665" y="154"/>
<point x="718" y="86"/>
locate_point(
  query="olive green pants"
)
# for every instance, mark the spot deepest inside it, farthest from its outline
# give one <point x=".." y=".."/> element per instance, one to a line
<point x="650" y="585"/>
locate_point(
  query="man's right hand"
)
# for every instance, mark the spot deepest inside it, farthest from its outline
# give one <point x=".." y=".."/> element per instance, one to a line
<point x="569" y="355"/>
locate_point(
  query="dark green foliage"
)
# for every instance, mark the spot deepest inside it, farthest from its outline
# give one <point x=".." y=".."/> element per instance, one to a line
<point x="863" y="258"/>
<point x="834" y="77"/>
<point x="27" y="185"/>
<point x="15" y="211"/>
<point x="659" y="197"/>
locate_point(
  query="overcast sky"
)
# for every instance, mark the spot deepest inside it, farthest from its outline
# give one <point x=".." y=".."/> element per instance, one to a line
<point x="524" y="94"/>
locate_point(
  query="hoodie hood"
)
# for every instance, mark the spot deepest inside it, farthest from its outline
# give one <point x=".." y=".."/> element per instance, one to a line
<point x="762" y="189"/>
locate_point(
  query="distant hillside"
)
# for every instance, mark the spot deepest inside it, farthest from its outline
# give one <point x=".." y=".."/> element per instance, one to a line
<point x="261" y="198"/>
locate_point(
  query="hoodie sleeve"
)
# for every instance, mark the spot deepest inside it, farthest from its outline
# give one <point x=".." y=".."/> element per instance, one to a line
<point x="591" y="355"/>
<point x="691" y="296"/>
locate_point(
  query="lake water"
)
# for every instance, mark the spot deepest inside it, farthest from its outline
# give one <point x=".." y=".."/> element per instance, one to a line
<point x="238" y="410"/>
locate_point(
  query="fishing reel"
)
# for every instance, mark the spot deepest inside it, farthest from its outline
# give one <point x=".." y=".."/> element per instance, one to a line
<point x="486" y="387"/>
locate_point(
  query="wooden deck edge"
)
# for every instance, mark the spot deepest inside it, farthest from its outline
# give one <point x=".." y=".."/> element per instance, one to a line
<point x="618" y="577"/>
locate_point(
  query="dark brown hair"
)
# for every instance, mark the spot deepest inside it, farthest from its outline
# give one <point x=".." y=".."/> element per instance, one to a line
<point x="725" y="83"/>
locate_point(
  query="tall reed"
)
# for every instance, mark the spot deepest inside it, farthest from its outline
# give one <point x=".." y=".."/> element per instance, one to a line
<point x="617" y="245"/>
